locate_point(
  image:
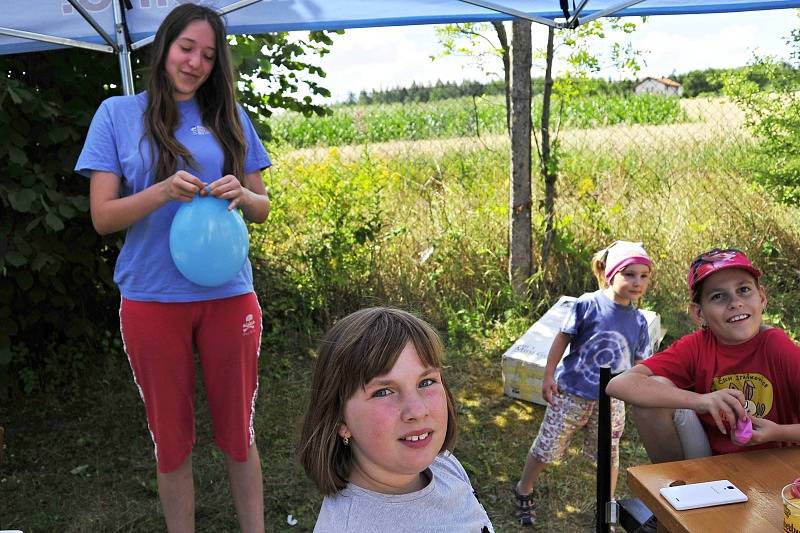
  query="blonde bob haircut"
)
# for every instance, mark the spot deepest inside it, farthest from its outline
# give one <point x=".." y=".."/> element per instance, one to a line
<point x="361" y="346"/>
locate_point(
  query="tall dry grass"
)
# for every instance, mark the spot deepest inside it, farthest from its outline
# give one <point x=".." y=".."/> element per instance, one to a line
<point x="442" y="207"/>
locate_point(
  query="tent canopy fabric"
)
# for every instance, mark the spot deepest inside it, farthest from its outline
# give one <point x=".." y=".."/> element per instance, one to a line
<point x="61" y="19"/>
<point x="121" y="26"/>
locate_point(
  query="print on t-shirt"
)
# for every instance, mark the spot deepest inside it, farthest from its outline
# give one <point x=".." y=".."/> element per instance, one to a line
<point x="757" y="389"/>
<point x="605" y="349"/>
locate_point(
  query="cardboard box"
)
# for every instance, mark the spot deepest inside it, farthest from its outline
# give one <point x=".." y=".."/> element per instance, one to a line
<point x="523" y="364"/>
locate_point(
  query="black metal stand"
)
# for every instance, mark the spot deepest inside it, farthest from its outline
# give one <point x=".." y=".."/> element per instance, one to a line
<point x="603" y="453"/>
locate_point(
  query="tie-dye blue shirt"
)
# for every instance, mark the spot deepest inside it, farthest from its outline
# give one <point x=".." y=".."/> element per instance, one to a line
<point x="602" y="333"/>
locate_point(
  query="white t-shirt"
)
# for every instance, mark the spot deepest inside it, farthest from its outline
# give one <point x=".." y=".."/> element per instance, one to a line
<point x="446" y="504"/>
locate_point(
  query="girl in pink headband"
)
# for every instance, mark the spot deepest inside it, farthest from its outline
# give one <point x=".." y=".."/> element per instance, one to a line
<point x="603" y="328"/>
<point x="621" y="254"/>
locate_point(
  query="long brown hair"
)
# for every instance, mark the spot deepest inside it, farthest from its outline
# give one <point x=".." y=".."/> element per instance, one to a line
<point x="215" y="98"/>
<point x="360" y="347"/>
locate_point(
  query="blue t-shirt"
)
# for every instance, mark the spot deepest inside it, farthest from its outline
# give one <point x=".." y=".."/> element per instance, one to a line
<point x="602" y="333"/>
<point x="116" y="143"/>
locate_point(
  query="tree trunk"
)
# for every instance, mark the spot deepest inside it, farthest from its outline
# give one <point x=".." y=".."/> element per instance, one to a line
<point x="520" y="259"/>
<point x="502" y="36"/>
<point x="548" y="161"/>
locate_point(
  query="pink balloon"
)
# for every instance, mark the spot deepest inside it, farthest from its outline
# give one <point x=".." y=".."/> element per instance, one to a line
<point x="743" y="432"/>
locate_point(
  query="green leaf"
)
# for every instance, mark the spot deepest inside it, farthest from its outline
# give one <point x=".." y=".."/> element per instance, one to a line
<point x="21" y="200"/>
<point x="54" y="221"/>
<point x="39" y="261"/>
<point x="66" y="211"/>
<point x="14" y="96"/>
<point x="58" y="135"/>
<point x="5" y="355"/>
<point x="81" y="203"/>
<point x="53" y="195"/>
<point x="24" y="280"/>
<point x="32" y="224"/>
<point x="79" y="470"/>
<point x="17" y="156"/>
<point x="14" y="258"/>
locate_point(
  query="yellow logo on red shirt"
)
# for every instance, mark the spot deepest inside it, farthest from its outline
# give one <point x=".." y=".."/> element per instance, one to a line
<point x="757" y="390"/>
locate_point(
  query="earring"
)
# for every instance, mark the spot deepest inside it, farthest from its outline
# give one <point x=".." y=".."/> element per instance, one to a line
<point x="703" y="325"/>
<point x="346" y="441"/>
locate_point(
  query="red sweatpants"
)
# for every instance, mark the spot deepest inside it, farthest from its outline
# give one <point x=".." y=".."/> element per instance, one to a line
<point x="160" y="340"/>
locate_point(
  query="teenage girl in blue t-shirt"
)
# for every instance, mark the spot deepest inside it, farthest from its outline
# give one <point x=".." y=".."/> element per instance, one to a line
<point x="604" y="328"/>
<point x="146" y="155"/>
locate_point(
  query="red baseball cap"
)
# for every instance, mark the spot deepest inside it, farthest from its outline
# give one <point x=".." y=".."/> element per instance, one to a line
<point x="715" y="260"/>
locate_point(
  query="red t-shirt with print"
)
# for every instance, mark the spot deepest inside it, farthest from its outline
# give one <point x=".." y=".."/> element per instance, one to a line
<point x="766" y="369"/>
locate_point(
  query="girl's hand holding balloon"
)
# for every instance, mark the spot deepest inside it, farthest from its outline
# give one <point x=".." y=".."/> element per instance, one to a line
<point x="229" y="188"/>
<point x="724" y="405"/>
<point x="182" y="186"/>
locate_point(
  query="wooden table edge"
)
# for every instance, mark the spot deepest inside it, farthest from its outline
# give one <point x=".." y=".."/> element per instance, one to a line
<point x="665" y="519"/>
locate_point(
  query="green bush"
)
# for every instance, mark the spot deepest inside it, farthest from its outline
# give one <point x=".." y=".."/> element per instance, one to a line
<point x="773" y="116"/>
<point x="56" y="293"/>
<point x="323" y="234"/>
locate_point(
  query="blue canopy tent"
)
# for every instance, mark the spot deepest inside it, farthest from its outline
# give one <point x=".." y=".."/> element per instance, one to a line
<point x="121" y="26"/>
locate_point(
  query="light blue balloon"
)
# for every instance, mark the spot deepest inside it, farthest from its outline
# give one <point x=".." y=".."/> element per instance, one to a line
<point x="208" y="243"/>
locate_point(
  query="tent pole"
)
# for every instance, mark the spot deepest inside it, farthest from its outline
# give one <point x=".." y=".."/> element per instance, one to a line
<point x="124" y="53"/>
<point x="513" y="12"/>
<point x="610" y="11"/>
<point x="578" y="11"/>
<point x="235" y="6"/>
<point x="63" y="41"/>
<point x="93" y="23"/>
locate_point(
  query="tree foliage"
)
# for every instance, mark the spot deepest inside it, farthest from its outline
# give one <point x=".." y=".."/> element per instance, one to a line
<point x="576" y="52"/>
<point x="768" y="90"/>
<point x="710" y="81"/>
<point x="58" y="303"/>
<point x="276" y="74"/>
<point x="448" y="90"/>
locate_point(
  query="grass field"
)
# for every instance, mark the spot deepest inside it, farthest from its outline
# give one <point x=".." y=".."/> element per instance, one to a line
<point x="78" y="465"/>
<point x="423" y="225"/>
<point x="460" y="117"/>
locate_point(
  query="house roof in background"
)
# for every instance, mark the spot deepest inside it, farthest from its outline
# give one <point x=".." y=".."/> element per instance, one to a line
<point x="664" y="81"/>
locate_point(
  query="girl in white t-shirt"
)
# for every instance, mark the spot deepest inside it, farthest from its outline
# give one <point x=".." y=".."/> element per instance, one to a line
<point x="379" y="423"/>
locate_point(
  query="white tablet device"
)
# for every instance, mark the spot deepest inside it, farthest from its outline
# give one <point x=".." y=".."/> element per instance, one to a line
<point x="696" y="495"/>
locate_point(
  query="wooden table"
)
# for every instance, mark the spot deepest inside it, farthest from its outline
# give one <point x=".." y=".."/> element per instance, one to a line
<point x="759" y="474"/>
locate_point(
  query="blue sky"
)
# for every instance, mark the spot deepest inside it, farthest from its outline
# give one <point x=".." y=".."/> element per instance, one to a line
<point x="389" y="57"/>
